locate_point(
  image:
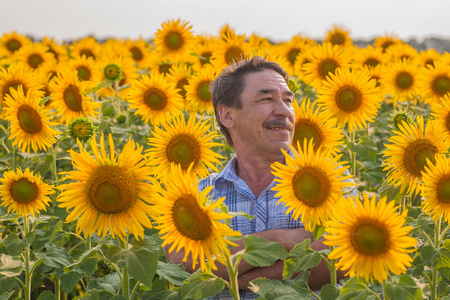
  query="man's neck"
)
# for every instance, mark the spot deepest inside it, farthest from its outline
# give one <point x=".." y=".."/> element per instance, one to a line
<point x="256" y="172"/>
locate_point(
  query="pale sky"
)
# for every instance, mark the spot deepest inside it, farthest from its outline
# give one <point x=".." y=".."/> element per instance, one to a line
<point x="276" y="19"/>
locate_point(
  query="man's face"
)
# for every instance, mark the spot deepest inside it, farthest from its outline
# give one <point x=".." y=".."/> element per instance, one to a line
<point x="265" y="123"/>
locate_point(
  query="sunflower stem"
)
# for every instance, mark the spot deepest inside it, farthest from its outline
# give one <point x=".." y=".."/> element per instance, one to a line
<point x="444" y="232"/>
<point x="28" y="274"/>
<point x="116" y="96"/>
<point x="125" y="279"/>
<point x="353" y="154"/>
<point x="57" y="288"/>
<point x="53" y="168"/>
<point x="385" y="296"/>
<point x="332" y="267"/>
<point x="133" y="292"/>
<point x="232" y="273"/>
<point x="437" y="241"/>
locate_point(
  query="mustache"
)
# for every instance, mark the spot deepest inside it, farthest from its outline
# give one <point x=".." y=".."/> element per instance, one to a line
<point x="279" y="123"/>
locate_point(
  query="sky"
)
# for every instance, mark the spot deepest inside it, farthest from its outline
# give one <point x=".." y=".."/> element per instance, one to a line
<point x="278" y="20"/>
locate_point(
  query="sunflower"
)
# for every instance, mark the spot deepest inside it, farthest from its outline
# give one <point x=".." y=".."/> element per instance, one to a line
<point x="86" y="69"/>
<point x="370" y="237"/>
<point x="402" y="51"/>
<point x="436" y="188"/>
<point x="410" y="150"/>
<point x="24" y="192"/>
<point x="434" y="81"/>
<point x="183" y="144"/>
<point x="87" y="46"/>
<point x="59" y="51"/>
<point x="386" y="41"/>
<point x="291" y="50"/>
<point x="109" y="192"/>
<point x="378" y="72"/>
<point x="310" y="183"/>
<point x="155" y="98"/>
<point x="428" y="57"/>
<point x="11" y="42"/>
<point x="203" y="52"/>
<point x="179" y="75"/>
<point x="316" y="125"/>
<point x="160" y="63"/>
<point x="441" y="113"/>
<point x="351" y="97"/>
<point x="401" y="81"/>
<point x="369" y="57"/>
<point x="186" y="220"/>
<point x="228" y="50"/>
<point x="69" y="96"/>
<point x="34" y="55"/>
<point x="198" y="96"/>
<point x="174" y="39"/>
<point x="338" y="35"/>
<point x="14" y="76"/>
<point x="30" y="122"/>
<point x="140" y="52"/>
<point x="323" y="60"/>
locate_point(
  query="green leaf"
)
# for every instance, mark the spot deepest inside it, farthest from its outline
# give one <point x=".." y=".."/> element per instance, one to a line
<point x="90" y="295"/>
<point x="115" y="254"/>
<point x="427" y="253"/>
<point x="142" y="263"/>
<point x="161" y="295"/>
<point x="55" y="257"/>
<point x="43" y="167"/>
<point x="275" y="290"/>
<point x="69" y="280"/>
<point x="443" y="262"/>
<point x="14" y="245"/>
<point x="47" y="295"/>
<point x="7" y="284"/>
<point x="354" y="289"/>
<point x="7" y="296"/>
<point x="201" y="285"/>
<point x="301" y="258"/>
<point x="260" y="252"/>
<point x="9" y="266"/>
<point x="175" y="274"/>
<point x="405" y="289"/>
<point x="329" y="292"/>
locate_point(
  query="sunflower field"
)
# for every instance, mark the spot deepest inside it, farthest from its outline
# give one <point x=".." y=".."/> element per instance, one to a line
<point x="103" y="144"/>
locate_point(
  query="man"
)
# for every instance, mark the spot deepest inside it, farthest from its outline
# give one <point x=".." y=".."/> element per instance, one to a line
<point x="253" y="107"/>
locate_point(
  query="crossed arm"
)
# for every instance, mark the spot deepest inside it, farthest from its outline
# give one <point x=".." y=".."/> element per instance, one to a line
<point x="319" y="276"/>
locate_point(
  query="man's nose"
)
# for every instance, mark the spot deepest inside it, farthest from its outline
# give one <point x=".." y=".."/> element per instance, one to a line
<point x="282" y="108"/>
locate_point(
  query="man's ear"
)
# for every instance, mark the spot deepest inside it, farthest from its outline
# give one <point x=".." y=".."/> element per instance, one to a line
<point x="226" y="116"/>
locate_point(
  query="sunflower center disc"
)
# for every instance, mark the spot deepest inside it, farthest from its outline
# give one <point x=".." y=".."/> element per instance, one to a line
<point x="347" y="99"/>
<point x="190" y="220"/>
<point x="404" y="80"/>
<point x="29" y="119"/>
<point x="370" y="239"/>
<point x="180" y="85"/>
<point x="165" y="68"/>
<point x="233" y="54"/>
<point x="443" y="189"/>
<point x="137" y="54"/>
<point x="373" y="62"/>
<point x="441" y="85"/>
<point x="34" y="60"/>
<point x="155" y="99"/>
<point x="203" y="92"/>
<point x="84" y="73"/>
<point x="112" y="72"/>
<point x="87" y="53"/>
<point x="111" y="189"/>
<point x="13" y="45"/>
<point x="416" y="155"/>
<point x="311" y="186"/>
<point x="81" y="130"/>
<point x="305" y="129"/>
<point x="24" y="191"/>
<point x="72" y="98"/>
<point x="337" y="39"/>
<point x="292" y="55"/>
<point x="386" y="45"/>
<point x="183" y="149"/>
<point x="327" y="66"/>
<point x="174" y="40"/>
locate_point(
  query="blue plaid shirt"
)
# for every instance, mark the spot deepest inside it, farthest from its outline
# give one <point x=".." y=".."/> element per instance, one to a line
<point x="239" y="197"/>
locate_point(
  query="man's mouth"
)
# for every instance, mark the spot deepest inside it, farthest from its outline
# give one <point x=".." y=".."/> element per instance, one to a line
<point x="279" y="125"/>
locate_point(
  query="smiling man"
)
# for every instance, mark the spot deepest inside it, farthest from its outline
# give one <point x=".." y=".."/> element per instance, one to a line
<point x="253" y="107"/>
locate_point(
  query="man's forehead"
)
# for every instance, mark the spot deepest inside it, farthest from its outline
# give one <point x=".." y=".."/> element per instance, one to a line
<point x="267" y="79"/>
